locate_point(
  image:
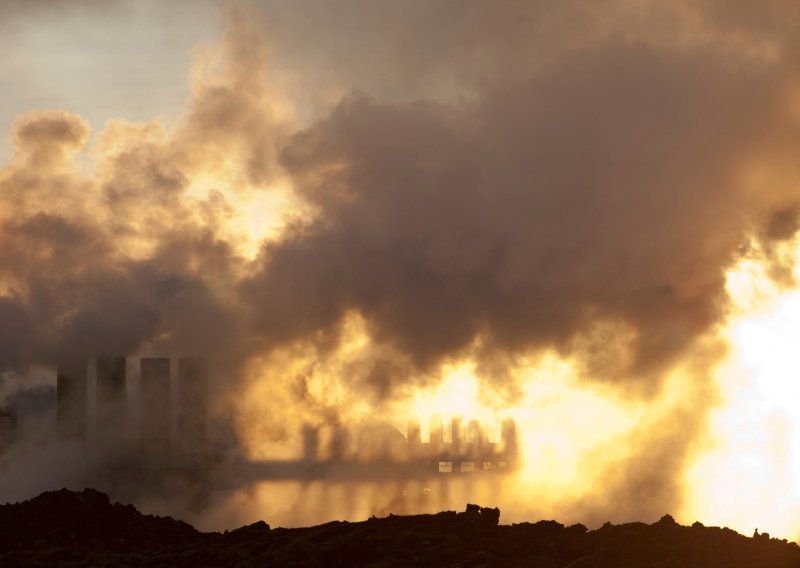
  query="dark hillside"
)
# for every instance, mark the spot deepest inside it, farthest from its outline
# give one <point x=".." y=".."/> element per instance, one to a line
<point x="86" y="529"/>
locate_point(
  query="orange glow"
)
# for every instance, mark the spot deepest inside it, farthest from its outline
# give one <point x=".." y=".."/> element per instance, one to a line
<point x="749" y="477"/>
<point x="578" y="436"/>
<point x="254" y="214"/>
<point x="557" y="419"/>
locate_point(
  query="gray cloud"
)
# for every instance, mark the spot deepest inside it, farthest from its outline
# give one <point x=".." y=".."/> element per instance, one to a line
<point x="605" y="188"/>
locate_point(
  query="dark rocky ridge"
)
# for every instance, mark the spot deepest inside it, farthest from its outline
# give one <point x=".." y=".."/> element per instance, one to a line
<point x="85" y="528"/>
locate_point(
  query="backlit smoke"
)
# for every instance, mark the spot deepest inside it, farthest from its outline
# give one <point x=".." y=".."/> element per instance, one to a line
<point x="361" y="206"/>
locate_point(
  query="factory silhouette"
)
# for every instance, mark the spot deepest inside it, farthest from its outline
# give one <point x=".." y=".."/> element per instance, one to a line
<point x="155" y="424"/>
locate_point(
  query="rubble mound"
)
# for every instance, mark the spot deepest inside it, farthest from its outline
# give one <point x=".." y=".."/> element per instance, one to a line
<point x="85" y="528"/>
<point x="64" y="518"/>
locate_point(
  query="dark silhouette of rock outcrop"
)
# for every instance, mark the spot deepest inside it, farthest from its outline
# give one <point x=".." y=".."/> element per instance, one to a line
<point x="85" y="528"/>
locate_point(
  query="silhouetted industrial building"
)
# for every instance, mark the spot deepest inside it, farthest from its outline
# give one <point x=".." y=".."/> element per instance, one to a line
<point x="110" y="401"/>
<point x="463" y="453"/>
<point x="508" y="439"/>
<point x="339" y="443"/>
<point x="310" y="436"/>
<point x="437" y="433"/>
<point x="71" y="385"/>
<point x="156" y="405"/>
<point x="173" y="407"/>
<point x="192" y="404"/>
<point x="414" y="433"/>
<point x="155" y="411"/>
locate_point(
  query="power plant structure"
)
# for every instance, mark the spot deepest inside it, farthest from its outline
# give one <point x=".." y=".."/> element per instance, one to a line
<point x="169" y="420"/>
<point x="465" y="452"/>
<point x="472" y="452"/>
<point x="154" y="418"/>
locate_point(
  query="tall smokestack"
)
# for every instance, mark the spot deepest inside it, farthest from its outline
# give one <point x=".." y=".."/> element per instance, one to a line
<point x="192" y="404"/>
<point x="340" y="443"/>
<point x="437" y="433"/>
<point x="155" y="388"/>
<point x="414" y="440"/>
<point x="509" y="441"/>
<point x="457" y="437"/>
<point x="413" y="433"/>
<point x="71" y="394"/>
<point x="110" y="397"/>
<point x="310" y="443"/>
<point x="477" y="440"/>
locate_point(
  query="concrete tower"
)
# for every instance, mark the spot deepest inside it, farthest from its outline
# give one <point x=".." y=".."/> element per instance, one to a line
<point x="110" y="401"/>
<point x="192" y="404"/>
<point x="155" y="392"/>
<point x="71" y="395"/>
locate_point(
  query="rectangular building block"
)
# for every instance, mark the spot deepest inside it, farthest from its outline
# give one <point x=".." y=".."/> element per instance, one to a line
<point x="71" y="395"/>
<point x="155" y="393"/>
<point x="192" y="404"/>
<point x="110" y="399"/>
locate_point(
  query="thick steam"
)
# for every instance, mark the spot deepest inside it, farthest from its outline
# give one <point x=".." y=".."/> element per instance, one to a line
<point x="450" y="182"/>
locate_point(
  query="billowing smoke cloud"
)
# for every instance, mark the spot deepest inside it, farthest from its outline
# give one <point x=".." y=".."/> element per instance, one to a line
<point x="498" y="181"/>
<point x="67" y="260"/>
<point x="604" y="189"/>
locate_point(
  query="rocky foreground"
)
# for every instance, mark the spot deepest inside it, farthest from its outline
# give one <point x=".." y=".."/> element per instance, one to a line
<point x="84" y="528"/>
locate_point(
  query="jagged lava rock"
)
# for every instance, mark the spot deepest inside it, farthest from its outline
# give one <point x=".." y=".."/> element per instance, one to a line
<point x="85" y="528"/>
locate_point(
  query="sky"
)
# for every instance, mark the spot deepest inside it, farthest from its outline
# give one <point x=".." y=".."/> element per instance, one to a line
<point x="569" y="213"/>
<point x="101" y="60"/>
